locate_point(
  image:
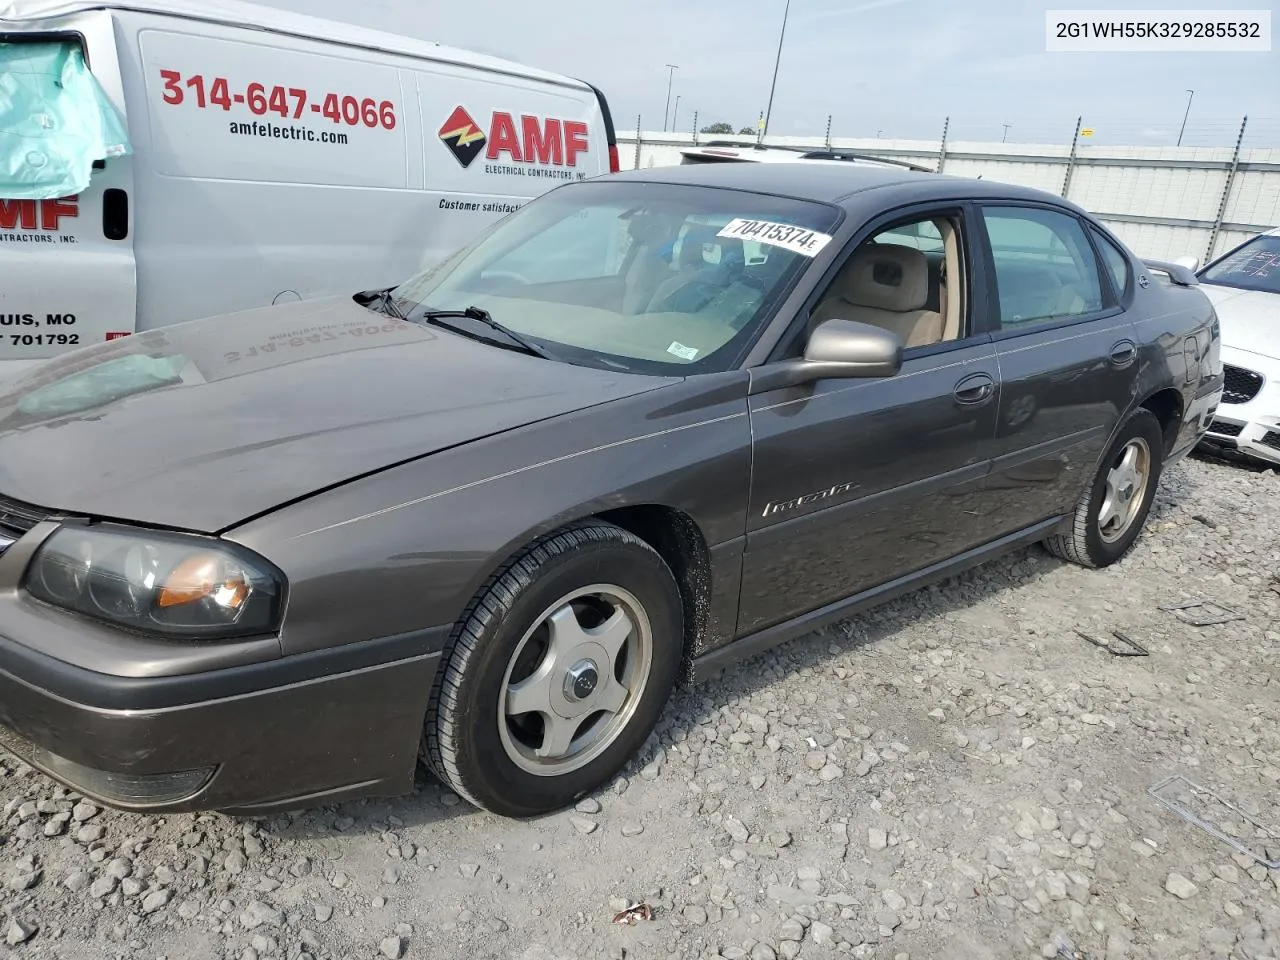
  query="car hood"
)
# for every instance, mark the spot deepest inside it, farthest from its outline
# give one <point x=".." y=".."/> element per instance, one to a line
<point x="201" y="425"/>
<point x="1250" y="318"/>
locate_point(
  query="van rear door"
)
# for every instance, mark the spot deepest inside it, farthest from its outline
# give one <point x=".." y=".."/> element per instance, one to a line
<point x="67" y="276"/>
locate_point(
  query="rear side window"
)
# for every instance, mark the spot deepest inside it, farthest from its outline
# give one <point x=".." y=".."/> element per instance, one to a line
<point x="1115" y="261"/>
<point x="1044" y="267"/>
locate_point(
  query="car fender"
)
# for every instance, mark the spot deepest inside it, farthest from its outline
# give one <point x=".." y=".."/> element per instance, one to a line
<point x="1179" y="346"/>
<point x="437" y="528"/>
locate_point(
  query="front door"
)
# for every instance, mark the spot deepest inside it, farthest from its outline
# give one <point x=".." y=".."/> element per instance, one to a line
<point x="1067" y="359"/>
<point x="856" y="482"/>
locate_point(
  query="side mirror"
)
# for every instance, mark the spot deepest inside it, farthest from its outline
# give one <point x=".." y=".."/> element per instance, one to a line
<point x="1191" y="263"/>
<point x="836" y="349"/>
<point x="843" y="348"/>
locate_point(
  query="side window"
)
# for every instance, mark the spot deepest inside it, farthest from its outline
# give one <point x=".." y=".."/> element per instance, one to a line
<point x="908" y="278"/>
<point x="923" y="235"/>
<point x="1044" y="266"/>
<point x="1115" y="261"/>
<point x="579" y="254"/>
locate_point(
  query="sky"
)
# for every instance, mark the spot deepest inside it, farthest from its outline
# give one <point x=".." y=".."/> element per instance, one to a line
<point x="890" y="68"/>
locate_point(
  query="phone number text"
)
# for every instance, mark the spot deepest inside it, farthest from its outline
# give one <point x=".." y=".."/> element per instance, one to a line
<point x="289" y="102"/>
<point x="41" y="339"/>
<point x="331" y="335"/>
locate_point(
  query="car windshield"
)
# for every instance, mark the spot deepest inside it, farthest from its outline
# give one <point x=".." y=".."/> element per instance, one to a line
<point x="648" y="278"/>
<point x="1255" y="266"/>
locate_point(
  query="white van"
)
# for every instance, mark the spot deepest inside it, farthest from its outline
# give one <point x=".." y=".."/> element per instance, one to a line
<point x="275" y="157"/>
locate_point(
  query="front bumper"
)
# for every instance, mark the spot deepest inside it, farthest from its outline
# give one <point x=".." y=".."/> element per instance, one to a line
<point x="302" y="730"/>
<point x="1251" y="428"/>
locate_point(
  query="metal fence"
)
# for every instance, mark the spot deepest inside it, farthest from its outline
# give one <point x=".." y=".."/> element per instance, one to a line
<point x="1164" y="202"/>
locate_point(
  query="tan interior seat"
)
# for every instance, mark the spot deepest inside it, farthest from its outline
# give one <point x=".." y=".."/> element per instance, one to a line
<point x="1029" y="292"/>
<point x="950" y="293"/>
<point x="885" y="285"/>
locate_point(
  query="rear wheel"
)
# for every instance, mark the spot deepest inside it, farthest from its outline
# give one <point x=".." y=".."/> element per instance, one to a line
<point x="558" y="674"/>
<point x="1112" y="512"/>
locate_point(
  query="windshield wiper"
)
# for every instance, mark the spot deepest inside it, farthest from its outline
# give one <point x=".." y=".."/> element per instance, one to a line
<point x="384" y="301"/>
<point x="482" y="316"/>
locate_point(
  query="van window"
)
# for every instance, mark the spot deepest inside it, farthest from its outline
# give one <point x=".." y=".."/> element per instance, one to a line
<point x="230" y="109"/>
<point x="56" y="122"/>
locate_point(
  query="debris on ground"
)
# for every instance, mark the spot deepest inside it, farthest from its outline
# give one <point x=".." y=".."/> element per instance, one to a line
<point x="1182" y="796"/>
<point x="633" y="913"/>
<point x="1203" y="613"/>
<point x="1119" y="644"/>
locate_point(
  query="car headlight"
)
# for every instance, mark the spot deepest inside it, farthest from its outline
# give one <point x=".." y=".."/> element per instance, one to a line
<point x="171" y="585"/>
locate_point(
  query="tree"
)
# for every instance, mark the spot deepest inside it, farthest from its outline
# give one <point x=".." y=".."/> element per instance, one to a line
<point x="717" y="128"/>
<point x="747" y="132"/>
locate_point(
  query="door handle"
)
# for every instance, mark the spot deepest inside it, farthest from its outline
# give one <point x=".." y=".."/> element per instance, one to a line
<point x="115" y="214"/>
<point x="975" y="388"/>
<point x="1124" y="353"/>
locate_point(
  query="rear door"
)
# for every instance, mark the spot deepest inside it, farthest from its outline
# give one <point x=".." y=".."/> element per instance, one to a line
<point x="67" y="275"/>
<point x="1068" y="358"/>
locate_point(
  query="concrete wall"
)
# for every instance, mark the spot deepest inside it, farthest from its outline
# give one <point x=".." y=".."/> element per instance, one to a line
<point x="1164" y="202"/>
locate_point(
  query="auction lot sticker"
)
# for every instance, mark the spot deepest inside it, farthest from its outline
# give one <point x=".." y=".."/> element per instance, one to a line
<point x="801" y="240"/>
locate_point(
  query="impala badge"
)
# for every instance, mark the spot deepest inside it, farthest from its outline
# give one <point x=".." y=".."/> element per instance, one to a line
<point x="781" y="506"/>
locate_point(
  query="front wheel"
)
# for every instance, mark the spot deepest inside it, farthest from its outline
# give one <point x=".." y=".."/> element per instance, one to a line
<point x="1114" y="509"/>
<point x="558" y="674"/>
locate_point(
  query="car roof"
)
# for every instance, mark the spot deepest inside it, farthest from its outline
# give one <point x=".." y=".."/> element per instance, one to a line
<point x="254" y="16"/>
<point x="837" y="183"/>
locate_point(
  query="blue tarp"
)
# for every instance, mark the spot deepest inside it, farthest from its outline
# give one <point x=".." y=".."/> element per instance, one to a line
<point x="55" y="122"/>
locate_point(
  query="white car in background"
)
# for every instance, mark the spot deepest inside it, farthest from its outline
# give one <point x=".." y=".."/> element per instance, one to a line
<point x="727" y="151"/>
<point x="1244" y="285"/>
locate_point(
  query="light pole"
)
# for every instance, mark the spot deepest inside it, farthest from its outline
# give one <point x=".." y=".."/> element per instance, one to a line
<point x="1190" y="94"/>
<point x="778" y="60"/>
<point x="671" y="75"/>
<point x="1005" y="135"/>
<point x="675" y="115"/>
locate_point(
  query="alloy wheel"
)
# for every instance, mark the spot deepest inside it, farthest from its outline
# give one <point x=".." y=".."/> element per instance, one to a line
<point x="575" y="679"/>
<point x="1125" y="491"/>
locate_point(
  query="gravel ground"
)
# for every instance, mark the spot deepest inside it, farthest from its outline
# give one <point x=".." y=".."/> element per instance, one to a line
<point x="957" y="775"/>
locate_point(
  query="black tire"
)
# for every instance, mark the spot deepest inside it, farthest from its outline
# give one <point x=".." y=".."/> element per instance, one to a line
<point x="1083" y="543"/>
<point x="462" y="743"/>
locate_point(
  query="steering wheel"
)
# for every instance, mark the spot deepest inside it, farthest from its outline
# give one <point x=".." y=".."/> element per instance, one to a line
<point x="700" y="292"/>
